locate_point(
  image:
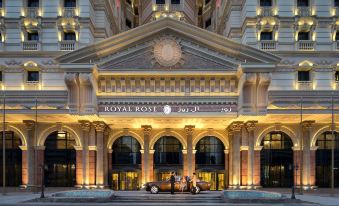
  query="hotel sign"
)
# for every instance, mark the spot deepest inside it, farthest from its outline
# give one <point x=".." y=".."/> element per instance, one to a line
<point x="168" y="109"/>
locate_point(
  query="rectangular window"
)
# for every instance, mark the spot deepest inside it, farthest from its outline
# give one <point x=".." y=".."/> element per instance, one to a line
<point x="302" y="3"/>
<point x="336" y="76"/>
<point x="160" y="2"/>
<point x="68" y="36"/>
<point x="33" y="3"/>
<point x="336" y="3"/>
<point x="266" y="36"/>
<point x="32" y="36"/>
<point x="264" y="3"/>
<point x="337" y="36"/>
<point x="303" y="36"/>
<point x="0" y="3"/>
<point x="128" y="23"/>
<point x="32" y="76"/>
<point x="208" y="23"/>
<point x="70" y="3"/>
<point x="0" y="37"/>
<point x="175" y="1"/>
<point x="303" y="76"/>
<point x="0" y="76"/>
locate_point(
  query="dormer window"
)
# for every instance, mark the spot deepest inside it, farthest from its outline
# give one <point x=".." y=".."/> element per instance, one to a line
<point x="33" y="3"/>
<point x="304" y="36"/>
<point x="304" y="76"/>
<point x="69" y="36"/>
<point x="175" y="1"/>
<point x="32" y="76"/>
<point x="70" y="3"/>
<point x="33" y="36"/>
<point x="302" y="3"/>
<point x="160" y="2"/>
<point x="265" y="3"/>
<point x="266" y="36"/>
<point x="336" y="76"/>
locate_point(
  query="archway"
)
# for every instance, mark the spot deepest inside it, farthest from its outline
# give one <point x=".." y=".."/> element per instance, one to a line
<point x="167" y="157"/>
<point x="210" y="161"/>
<point x="276" y="160"/>
<point x="324" y="159"/>
<point x="60" y="160"/>
<point x="13" y="155"/>
<point x="126" y="163"/>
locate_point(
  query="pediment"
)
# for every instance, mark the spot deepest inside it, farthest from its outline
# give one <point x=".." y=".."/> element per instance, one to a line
<point x="168" y="43"/>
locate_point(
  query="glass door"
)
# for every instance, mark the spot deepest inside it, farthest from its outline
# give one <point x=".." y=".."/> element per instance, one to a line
<point x="221" y="181"/>
<point x="217" y="180"/>
<point x="125" y="180"/>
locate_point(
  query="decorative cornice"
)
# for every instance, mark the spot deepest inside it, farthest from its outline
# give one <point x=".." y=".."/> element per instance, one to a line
<point x="29" y="124"/>
<point x="307" y="124"/>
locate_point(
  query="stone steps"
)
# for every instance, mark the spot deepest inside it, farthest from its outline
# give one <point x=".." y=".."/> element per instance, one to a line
<point x="151" y="198"/>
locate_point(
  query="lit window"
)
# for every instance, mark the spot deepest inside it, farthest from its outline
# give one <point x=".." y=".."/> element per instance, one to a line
<point x="303" y="36"/>
<point x="160" y="2"/>
<point x="336" y="76"/>
<point x="175" y="1"/>
<point x="336" y="3"/>
<point x="266" y="36"/>
<point x="264" y="3"/>
<point x="33" y="36"/>
<point x="33" y="3"/>
<point x="208" y="23"/>
<point x="303" y="3"/>
<point x="68" y="36"/>
<point x="32" y="76"/>
<point x="70" y="3"/>
<point x="303" y="76"/>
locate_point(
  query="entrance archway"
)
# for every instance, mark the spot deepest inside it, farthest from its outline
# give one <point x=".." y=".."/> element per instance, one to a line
<point x="60" y="160"/>
<point x="276" y="159"/>
<point x="13" y="157"/>
<point x="167" y="157"/>
<point x="210" y="161"/>
<point x="324" y="159"/>
<point x="126" y="163"/>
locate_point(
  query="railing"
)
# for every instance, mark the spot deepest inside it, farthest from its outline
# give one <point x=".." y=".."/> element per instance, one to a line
<point x="31" y="12"/>
<point x="30" y="45"/>
<point x="306" y="45"/>
<point x="266" y="11"/>
<point x="69" y="12"/>
<point x="161" y="7"/>
<point x="176" y="7"/>
<point x="304" y="11"/>
<point x="304" y="85"/>
<point x="69" y="45"/>
<point x="268" y="45"/>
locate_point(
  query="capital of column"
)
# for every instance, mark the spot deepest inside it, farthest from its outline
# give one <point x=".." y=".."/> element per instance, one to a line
<point x="236" y="126"/>
<point x="92" y="148"/>
<point x="251" y="125"/>
<point x="151" y="151"/>
<point x="29" y="124"/>
<point x="77" y="148"/>
<point x="99" y="126"/>
<point x="189" y="129"/>
<point x="307" y="124"/>
<point x="85" y="125"/>
<point x="184" y="151"/>
<point x="147" y="129"/>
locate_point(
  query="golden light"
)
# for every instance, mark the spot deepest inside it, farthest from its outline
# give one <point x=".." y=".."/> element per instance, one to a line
<point x="314" y="36"/>
<point x="154" y="7"/>
<point x="276" y="36"/>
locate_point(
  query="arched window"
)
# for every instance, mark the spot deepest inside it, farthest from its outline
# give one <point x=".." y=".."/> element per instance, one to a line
<point x="60" y="160"/>
<point x="276" y="160"/>
<point x="168" y="150"/>
<point x="13" y="159"/>
<point x="324" y="159"/>
<point x="210" y="151"/>
<point x="126" y="151"/>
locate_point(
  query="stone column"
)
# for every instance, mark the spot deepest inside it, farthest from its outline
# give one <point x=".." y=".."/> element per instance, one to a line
<point x="30" y="127"/>
<point x="190" y="164"/>
<point x="79" y="181"/>
<point x="92" y="165"/>
<point x="230" y="159"/>
<point x="151" y="165"/>
<point x="236" y="128"/>
<point x="296" y="162"/>
<point x="313" y="165"/>
<point x="256" y="166"/>
<point x="145" y="163"/>
<point x="105" y="151"/>
<point x="307" y="129"/>
<point x="85" y="128"/>
<point x="40" y="158"/>
<point x="24" y="166"/>
<point x="244" y="165"/>
<point x="250" y="126"/>
<point x="100" y="128"/>
<point x="226" y="151"/>
<point x="110" y="151"/>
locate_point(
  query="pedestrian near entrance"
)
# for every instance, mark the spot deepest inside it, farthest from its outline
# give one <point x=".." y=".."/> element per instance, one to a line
<point x="183" y="184"/>
<point x="172" y="180"/>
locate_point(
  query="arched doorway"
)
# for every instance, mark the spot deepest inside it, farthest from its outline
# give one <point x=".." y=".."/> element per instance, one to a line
<point x="60" y="160"/>
<point x="167" y="157"/>
<point x="126" y="163"/>
<point x="276" y="159"/>
<point x="210" y="161"/>
<point x="324" y="160"/>
<point x="13" y="159"/>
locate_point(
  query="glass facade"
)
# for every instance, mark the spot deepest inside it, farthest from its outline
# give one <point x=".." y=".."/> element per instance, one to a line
<point x="168" y="151"/>
<point x="210" y="151"/>
<point x="13" y="157"/>
<point x="126" y="151"/>
<point x="128" y="180"/>
<point x="276" y="159"/>
<point x="60" y="160"/>
<point x="324" y="160"/>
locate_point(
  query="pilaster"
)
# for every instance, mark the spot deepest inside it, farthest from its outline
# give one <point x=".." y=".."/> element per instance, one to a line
<point x="145" y="163"/>
<point x="85" y="128"/>
<point x="250" y="127"/>
<point x="189" y="129"/>
<point x="306" y="153"/>
<point x="235" y="129"/>
<point x="99" y="128"/>
<point x="30" y="131"/>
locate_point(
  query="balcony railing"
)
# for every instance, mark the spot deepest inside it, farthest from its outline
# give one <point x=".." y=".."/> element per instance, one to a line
<point x="69" y="12"/>
<point x="176" y="7"/>
<point x="30" y="45"/>
<point x="304" y="85"/>
<point x="303" y="11"/>
<point x="31" y="12"/>
<point x="268" y="45"/>
<point x="306" y="45"/>
<point x="266" y="11"/>
<point x="67" y="45"/>
<point x="161" y="7"/>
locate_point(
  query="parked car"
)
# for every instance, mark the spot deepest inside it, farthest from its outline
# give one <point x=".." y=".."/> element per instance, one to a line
<point x="165" y="186"/>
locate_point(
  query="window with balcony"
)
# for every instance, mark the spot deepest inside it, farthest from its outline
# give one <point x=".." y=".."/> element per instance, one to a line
<point x="33" y="36"/>
<point x="33" y="3"/>
<point x="304" y="36"/>
<point x="304" y="76"/>
<point x="265" y="3"/>
<point x="303" y="3"/>
<point x="32" y="76"/>
<point x="336" y="76"/>
<point x="175" y="1"/>
<point x="69" y="36"/>
<point x="266" y="36"/>
<point x="160" y="2"/>
<point x="70" y="3"/>
<point x="336" y="3"/>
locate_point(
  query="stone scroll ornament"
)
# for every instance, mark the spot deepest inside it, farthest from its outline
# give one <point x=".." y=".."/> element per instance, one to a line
<point x="167" y="52"/>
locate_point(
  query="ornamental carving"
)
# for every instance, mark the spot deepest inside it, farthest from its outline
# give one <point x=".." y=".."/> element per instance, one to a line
<point x="167" y="51"/>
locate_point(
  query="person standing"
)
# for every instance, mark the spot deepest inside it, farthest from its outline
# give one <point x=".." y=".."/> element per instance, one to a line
<point x="172" y="180"/>
<point x="194" y="183"/>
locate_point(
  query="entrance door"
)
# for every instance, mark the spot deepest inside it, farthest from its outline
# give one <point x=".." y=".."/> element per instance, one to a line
<point x="125" y="180"/>
<point x="217" y="180"/>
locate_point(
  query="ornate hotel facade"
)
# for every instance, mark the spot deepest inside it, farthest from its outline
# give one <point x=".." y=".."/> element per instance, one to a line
<point x="113" y="93"/>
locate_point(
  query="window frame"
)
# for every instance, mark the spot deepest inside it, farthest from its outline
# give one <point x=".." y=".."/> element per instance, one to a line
<point x="304" y="32"/>
<point x="160" y="3"/>
<point x="75" y="4"/>
<point x="303" y="71"/>
<point x="29" y="36"/>
<point x="301" y="5"/>
<point x="175" y="2"/>
<point x="65" y="33"/>
<point x="33" y="3"/>
<point x="28" y="76"/>
<point x="271" y="33"/>
<point x="262" y="3"/>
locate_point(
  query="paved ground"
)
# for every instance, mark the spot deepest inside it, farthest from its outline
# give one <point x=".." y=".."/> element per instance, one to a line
<point x="140" y="198"/>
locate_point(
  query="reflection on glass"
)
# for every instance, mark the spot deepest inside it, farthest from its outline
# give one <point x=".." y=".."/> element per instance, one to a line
<point x="168" y="150"/>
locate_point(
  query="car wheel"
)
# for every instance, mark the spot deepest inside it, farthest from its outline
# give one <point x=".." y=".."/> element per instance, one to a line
<point x="154" y="189"/>
<point x="197" y="190"/>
